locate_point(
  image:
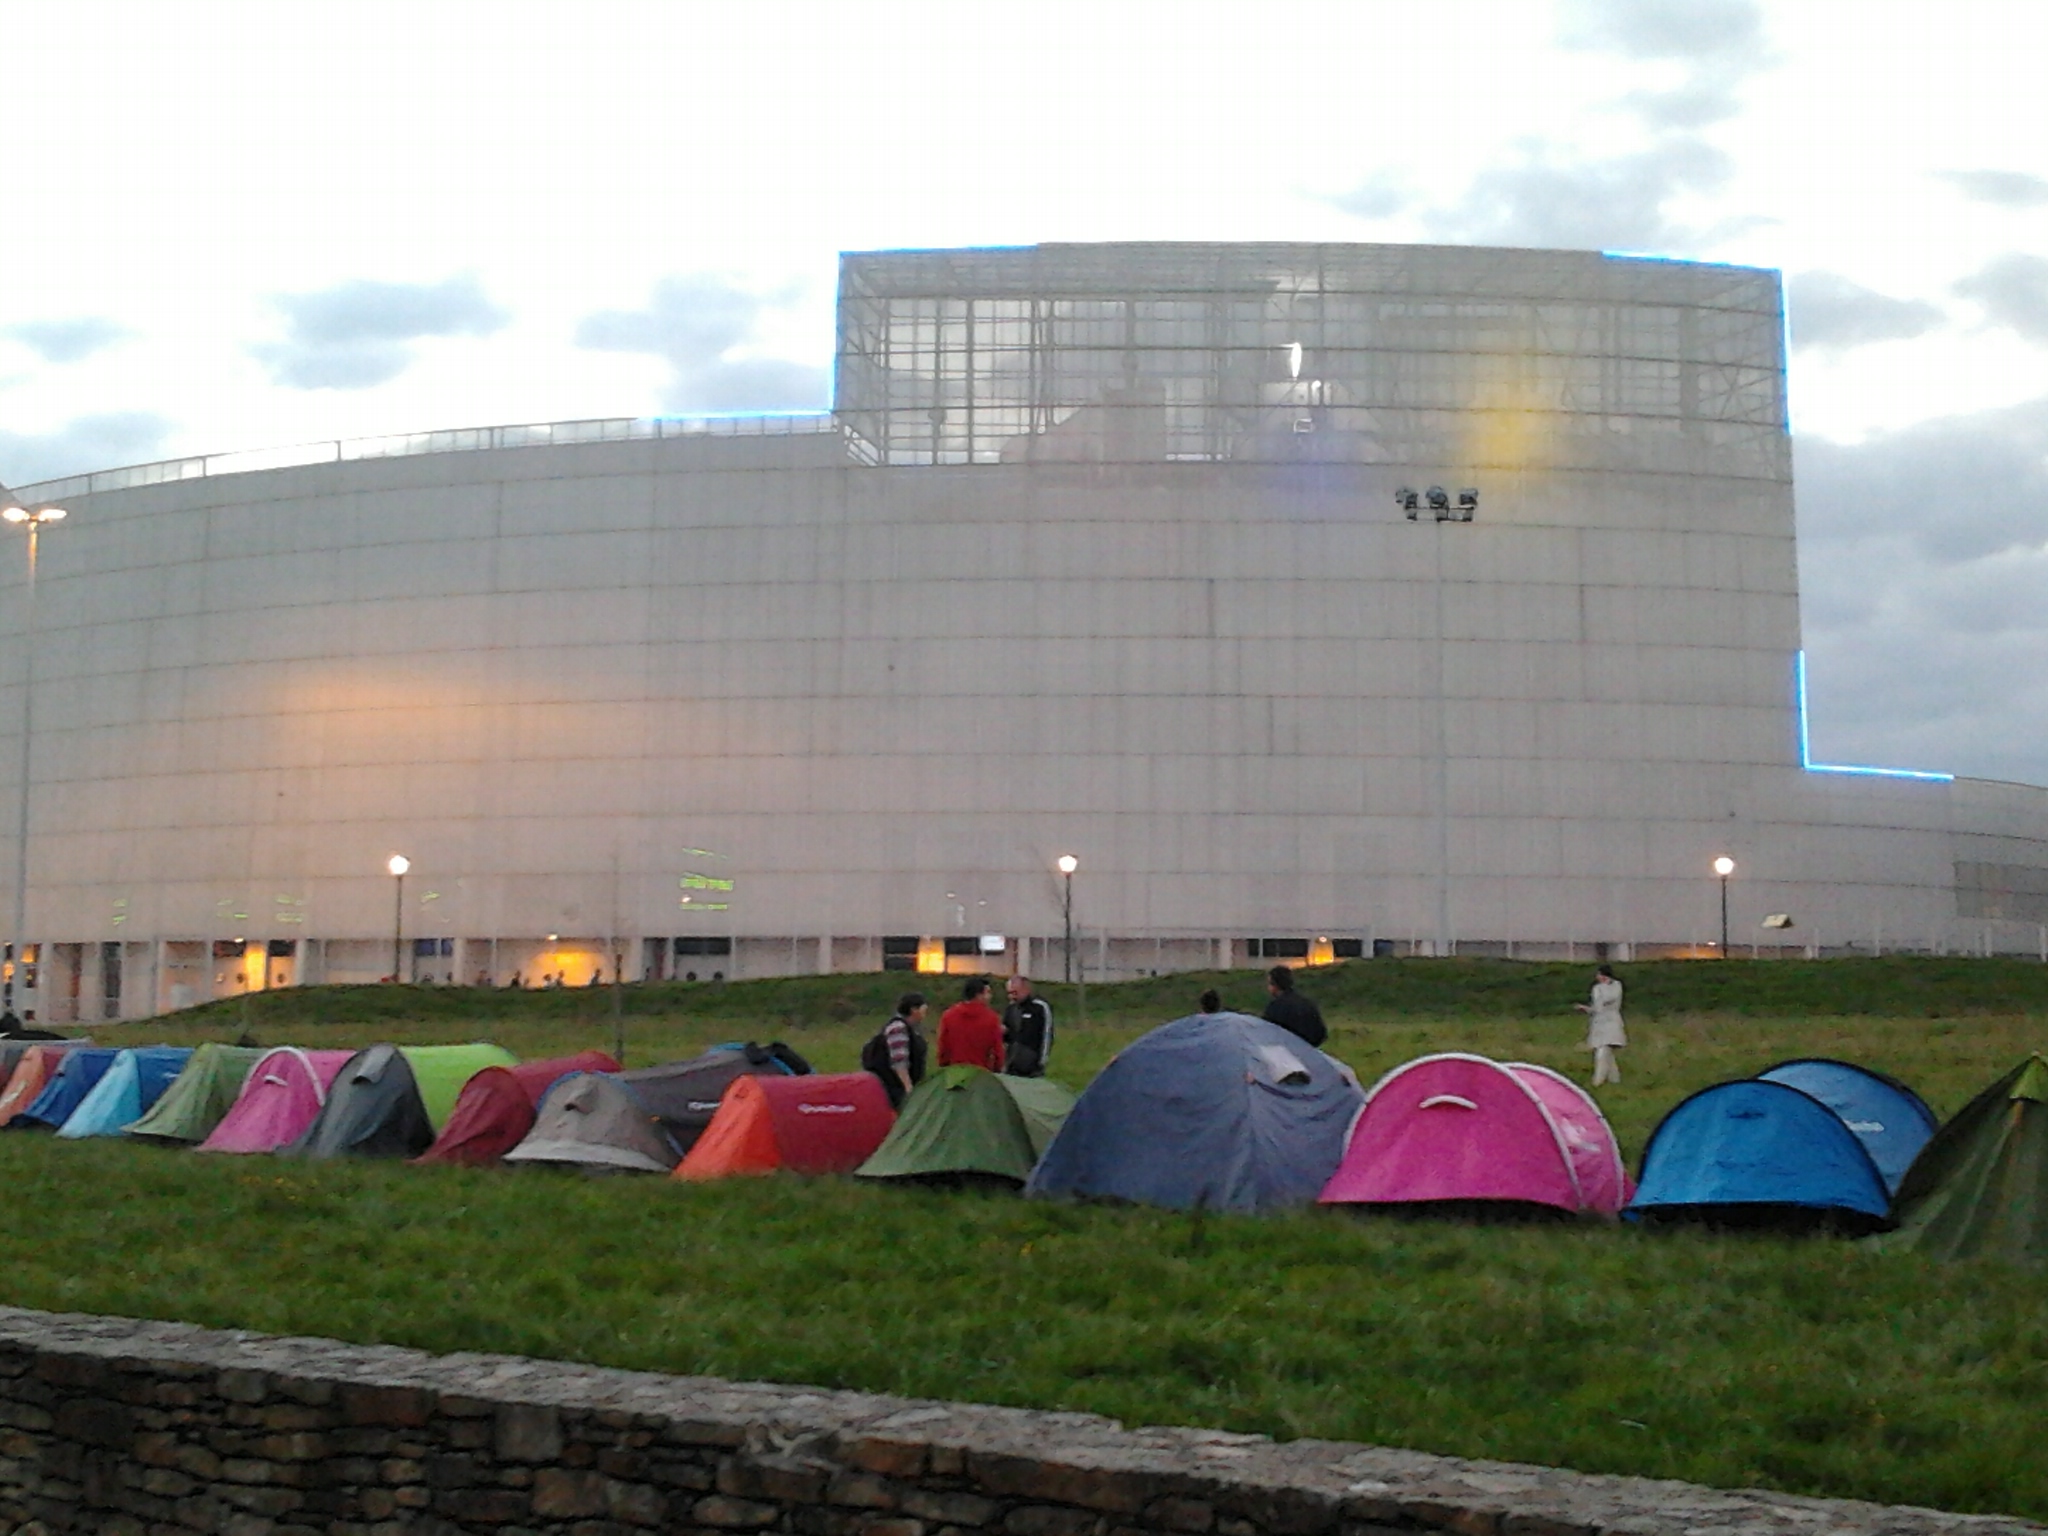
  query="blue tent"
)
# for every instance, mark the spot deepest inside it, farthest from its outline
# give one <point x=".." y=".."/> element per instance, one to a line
<point x="1219" y="1111"/>
<point x="1755" y="1151"/>
<point x="1890" y="1119"/>
<point x="135" y="1081"/>
<point x="74" y="1078"/>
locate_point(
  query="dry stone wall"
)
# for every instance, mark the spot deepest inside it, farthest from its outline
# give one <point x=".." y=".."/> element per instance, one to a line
<point x="126" y="1428"/>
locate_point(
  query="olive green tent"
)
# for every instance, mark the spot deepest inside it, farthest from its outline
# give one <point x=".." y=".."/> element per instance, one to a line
<point x="964" y="1121"/>
<point x="1980" y="1187"/>
<point x="200" y="1097"/>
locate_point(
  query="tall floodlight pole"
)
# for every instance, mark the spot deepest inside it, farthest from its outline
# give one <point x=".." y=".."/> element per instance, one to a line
<point x="33" y="519"/>
<point x="1724" y="867"/>
<point x="1068" y="864"/>
<point x="398" y="864"/>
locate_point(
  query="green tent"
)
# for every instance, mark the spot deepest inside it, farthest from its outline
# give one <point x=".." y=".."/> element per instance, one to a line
<point x="439" y="1071"/>
<point x="969" y="1121"/>
<point x="1980" y="1187"/>
<point x="200" y="1096"/>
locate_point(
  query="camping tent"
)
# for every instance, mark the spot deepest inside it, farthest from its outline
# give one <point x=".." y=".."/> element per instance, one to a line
<point x="1754" y="1152"/>
<point x="828" y="1122"/>
<point x="389" y="1098"/>
<point x="135" y="1081"/>
<point x="1890" y="1119"/>
<point x="594" y="1121"/>
<point x="1980" y="1187"/>
<point x="496" y="1107"/>
<point x="280" y="1098"/>
<point x="31" y="1074"/>
<point x="967" y="1120"/>
<point x="203" y="1093"/>
<point x="14" y="1047"/>
<point x="1460" y="1128"/>
<point x="1217" y="1111"/>
<point x="684" y="1095"/>
<point x="75" y="1076"/>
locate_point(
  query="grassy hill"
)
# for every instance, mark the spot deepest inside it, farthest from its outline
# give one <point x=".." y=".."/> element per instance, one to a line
<point x="1817" y="1366"/>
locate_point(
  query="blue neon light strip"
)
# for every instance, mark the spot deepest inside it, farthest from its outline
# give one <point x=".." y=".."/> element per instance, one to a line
<point x="1806" y="751"/>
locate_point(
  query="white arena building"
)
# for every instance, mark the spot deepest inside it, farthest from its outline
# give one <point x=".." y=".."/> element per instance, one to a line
<point x="1105" y="551"/>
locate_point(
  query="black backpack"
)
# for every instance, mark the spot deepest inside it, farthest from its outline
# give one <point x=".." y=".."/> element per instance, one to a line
<point x="874" y="1056"/>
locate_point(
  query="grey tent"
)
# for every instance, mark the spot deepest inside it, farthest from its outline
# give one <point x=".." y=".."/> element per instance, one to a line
<point x="373" y="1109"/>
<point x="684" y="1095"/>
<point x="594" y="1121"/>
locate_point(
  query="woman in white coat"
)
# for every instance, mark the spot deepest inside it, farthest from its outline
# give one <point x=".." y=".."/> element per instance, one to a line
<point x="1605" y="1033"/>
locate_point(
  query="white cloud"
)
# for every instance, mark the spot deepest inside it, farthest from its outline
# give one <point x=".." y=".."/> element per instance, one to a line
<point x="2013" y="292"/>
<point x="1832" y="313"/>
<point x="357" y="334"/>
<point x="707" y="330"/>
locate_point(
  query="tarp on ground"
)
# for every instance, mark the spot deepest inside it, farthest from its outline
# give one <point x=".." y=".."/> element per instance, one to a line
<point x="596" y="1122"/>
<point x="496" y="1107"/>
<point x="1458" y="1129"/>
<point x="30" y="1076"/>
<point x="281" y="1097"/>
<point x="136" y="1080"/>
<point x="1890" y="1119"/>
<point x="77" y="1073"/>
<point x="685" y="1094"/>
<point x="1217" y="1111"/>
<point x="1980" y="1186"/>
<point x="828" y="1122"/>
<point x="384" y="1102"/>
<point x="966" y="1120"/>
<point x="202" y="1095"/>
<point x="1752" y="1151"/>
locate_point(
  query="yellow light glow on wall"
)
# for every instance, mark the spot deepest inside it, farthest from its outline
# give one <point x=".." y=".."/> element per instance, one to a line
<point x="1321" y="952"/>
<point x="931" y="956"/>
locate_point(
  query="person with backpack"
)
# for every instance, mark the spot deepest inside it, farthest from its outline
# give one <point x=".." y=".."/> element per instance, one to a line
<point x="896" y="1053"/>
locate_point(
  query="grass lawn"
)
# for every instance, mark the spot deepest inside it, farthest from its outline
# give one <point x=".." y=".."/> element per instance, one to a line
<point x="1816" y="1366"/>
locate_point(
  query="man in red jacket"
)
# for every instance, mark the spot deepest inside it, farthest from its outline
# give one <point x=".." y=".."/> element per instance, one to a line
<point x="971" y="1032"/>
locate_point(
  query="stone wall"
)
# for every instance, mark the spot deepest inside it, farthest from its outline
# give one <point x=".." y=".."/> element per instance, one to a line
<point x="126" y="1428"/>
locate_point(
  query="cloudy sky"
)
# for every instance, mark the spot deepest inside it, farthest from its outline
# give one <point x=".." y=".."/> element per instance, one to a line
<point x="235" y="225"/>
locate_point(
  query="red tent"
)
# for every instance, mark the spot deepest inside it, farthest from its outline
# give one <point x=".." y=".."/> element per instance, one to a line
<point x="496" y="1107"/>
<point x="827" y="1123"/>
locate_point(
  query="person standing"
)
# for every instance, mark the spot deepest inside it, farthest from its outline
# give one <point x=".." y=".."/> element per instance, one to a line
<point x="1027" y="1030"/>
<point x="1605" y="1032"/>
<point x="896" y="1053"/>
<point x="1290" y="1010"/>
<point x="971" y="1032"/>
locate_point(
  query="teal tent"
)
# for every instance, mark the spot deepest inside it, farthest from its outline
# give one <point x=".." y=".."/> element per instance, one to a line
<point x="134" y="1082"/>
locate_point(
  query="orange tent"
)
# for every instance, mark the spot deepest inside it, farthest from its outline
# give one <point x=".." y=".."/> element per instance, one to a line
<point x="828" y="1122"/>
<point x="30" y="1074"/>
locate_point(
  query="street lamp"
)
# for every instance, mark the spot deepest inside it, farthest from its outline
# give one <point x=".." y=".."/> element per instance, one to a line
<point x="1068" y="864"/>
<point x="398" y="864"/>
<point x="1724" y="867"/>
<point x="34" y="519"/>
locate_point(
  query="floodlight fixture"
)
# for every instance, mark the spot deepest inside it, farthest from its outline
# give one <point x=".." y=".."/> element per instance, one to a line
<point x="1439" y="500"/>
<point x="1409" y="500"/>
<point x="1468" y="503"/>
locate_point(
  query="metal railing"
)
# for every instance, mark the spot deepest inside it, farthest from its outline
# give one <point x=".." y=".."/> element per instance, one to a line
<point x="608" y="429"/>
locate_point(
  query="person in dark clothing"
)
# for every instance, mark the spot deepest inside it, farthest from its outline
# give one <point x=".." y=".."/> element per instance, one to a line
<point x="896" y="1054"/>
<point x="1290" y="1010"/>
<point x="1027" y="1030"/>
<point x="1211" y="1001"/>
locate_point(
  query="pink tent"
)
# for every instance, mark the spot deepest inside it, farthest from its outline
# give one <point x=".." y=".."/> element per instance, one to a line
<point x="1459" y="1127"/>
<point x="282" y="1094"/>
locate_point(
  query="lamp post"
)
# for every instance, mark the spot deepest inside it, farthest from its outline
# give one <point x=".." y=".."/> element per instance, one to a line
<point x="398" y="864"/>
<point x="34" y="520"/>
<point x="1724" y="867"/>
<point x="1068" y="864"/>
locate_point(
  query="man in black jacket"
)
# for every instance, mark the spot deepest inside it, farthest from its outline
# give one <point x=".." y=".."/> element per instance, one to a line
<point x="1027" y="1030"/>
<point x="1290" y="1010"/>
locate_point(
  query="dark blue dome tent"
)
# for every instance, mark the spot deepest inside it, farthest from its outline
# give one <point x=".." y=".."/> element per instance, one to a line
<point x="1217" y="1111"/>
<point x="1890" y="1119"/>
<point x="1757" y="1153"/>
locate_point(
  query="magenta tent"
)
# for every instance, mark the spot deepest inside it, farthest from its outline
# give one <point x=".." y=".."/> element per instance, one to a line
<point x="279" y="1099"/>
<point x="1462" y="1130"/>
